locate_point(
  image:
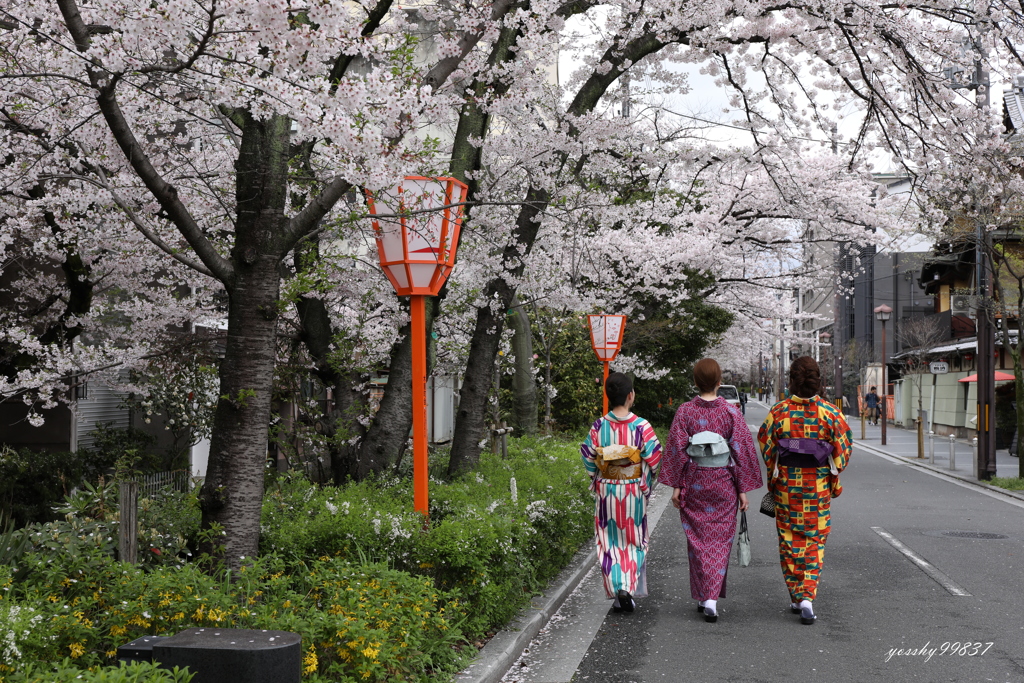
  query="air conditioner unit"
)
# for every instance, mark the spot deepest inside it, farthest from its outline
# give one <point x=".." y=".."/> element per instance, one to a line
<point x="962" y="304"/>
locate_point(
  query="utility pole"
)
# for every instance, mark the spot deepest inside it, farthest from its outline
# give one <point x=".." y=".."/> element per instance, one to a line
<point x="986" y="465"/>
<point x="837" y="336"/>
<point x="985" y="330"/>
<point x="782" y="364"/>
<point x="760" y="373"/>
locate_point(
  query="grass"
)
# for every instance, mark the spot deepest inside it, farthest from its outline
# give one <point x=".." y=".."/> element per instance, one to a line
<point x="1009" y="483"/>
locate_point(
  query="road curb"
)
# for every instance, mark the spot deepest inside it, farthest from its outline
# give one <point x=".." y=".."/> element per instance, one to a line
<point x="501" y="652"/>
<point x="938" y="470"/>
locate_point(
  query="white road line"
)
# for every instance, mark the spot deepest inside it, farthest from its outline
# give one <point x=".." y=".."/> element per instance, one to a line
<point x="1016" y="502"/>
<point x="925" y="566"/>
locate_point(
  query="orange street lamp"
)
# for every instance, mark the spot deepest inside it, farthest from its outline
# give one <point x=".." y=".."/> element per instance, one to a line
<point x="606" y="340"/>
<point x="417" y="230"/>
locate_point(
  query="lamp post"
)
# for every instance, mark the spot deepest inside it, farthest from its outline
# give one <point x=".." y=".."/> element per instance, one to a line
<point x="883" y="313"/>
<point x="606" y="340"/>
<point x="824" y="337"/>
<point x="417" y="231"/>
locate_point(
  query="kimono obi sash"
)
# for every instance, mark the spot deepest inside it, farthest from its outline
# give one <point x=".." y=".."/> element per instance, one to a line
<point x="709" y="449"/>
<point x="619" y="462"/>
<point x="804" y="452"/>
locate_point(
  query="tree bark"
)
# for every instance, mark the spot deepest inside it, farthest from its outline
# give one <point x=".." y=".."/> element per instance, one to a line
<point x="524" y="388"/>
<point x="386" y="440"/>
<point x="232" y="495"/>
<point x="341" y="424"/>
<point x="388" y="435"/>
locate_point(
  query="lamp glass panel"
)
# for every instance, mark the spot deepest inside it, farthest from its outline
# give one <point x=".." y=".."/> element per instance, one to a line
<point x="422" y="273"/>
<point x="423" y="230"/>
<point x="596" y="330"/>
<point x="614" y="330"/>
<point x="399" y="275"/>
<point x="389" y="237"/>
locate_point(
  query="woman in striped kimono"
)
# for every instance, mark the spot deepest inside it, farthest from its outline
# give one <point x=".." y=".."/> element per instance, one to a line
<point x="711" y="463"/>
<point x="621" y="455"/>
<point x="805" y="443"/>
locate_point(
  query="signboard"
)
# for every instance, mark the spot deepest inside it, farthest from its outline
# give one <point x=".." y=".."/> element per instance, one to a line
<point x="939" y="367"/>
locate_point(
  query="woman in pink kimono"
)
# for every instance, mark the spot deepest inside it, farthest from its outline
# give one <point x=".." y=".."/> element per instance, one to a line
<point x="710" y="462"/>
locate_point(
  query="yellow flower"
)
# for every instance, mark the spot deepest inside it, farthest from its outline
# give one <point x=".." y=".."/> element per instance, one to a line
<point x="370" y="653"/>
<point x="310" y="663"/>
<point x="138" y="621"/>
<point x="111" y="653"/>
<point x="77" y="650"/>
<point x="116" y="630"/>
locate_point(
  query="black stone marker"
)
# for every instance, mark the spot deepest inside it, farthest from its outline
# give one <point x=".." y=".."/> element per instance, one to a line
<point x="227" y="655"/>
<point x="139" y="650"/>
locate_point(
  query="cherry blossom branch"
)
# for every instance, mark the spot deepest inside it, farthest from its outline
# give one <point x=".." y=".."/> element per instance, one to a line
<point x="148" y="232"/>
<point x="165" y="193"/>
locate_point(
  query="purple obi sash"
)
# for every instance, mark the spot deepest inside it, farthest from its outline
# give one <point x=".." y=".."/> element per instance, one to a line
<point x="804" y="452"/>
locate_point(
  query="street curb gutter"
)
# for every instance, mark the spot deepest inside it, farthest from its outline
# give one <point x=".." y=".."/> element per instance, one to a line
<point x="939" y="471"/>
<point x="502" y="651"/>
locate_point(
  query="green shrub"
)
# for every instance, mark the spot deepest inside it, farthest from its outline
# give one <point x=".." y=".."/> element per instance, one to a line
<point x="492" y="551"/>
<point x="374" y="594"/>
<point x="33" y="482"/>
<point x="363" y="622"/>
<point x="1009" y="483"/>
<point x="111" y="443"/>
<point x="67" y="672"/>
<point x="168" y="523"/>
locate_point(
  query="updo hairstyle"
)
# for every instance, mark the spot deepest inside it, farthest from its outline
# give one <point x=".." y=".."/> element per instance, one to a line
<point x="707" y="375"/>
<point x="804" y="377"/>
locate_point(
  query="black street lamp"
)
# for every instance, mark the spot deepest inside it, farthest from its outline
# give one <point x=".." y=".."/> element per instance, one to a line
<point x="883" y="313"/>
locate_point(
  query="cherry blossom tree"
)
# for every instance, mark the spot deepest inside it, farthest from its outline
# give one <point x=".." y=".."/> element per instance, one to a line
<point x="178" y="162"/>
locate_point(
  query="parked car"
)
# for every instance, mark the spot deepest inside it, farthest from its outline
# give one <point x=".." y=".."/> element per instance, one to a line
<point x="730" y="394"/>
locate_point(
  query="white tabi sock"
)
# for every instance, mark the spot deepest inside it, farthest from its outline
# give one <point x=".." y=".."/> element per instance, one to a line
<point x="711" y="605"/>
<point x="806" y="604"/>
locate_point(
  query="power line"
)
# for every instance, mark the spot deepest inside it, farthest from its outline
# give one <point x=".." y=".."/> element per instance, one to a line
<point x="729" y="125"/>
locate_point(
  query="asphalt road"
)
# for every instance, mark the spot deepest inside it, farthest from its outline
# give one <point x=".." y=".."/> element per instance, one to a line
<point x="880" y="611"/>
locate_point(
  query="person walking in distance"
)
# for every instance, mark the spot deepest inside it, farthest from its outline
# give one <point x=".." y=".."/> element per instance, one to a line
<point x="710" y="463"/>
<point x="805" y="443"/>
<point x="871" y="403"/>
<point x="621" y="456"/>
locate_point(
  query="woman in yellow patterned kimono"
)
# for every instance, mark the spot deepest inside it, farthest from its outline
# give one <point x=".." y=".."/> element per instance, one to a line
<point x="805" y="443"/>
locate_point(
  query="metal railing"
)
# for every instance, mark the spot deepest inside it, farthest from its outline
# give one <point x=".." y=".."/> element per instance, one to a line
<point x="176" y="480"/>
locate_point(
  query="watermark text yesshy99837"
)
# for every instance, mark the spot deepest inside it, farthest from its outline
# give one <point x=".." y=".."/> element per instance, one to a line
<point x="953" y="648"/>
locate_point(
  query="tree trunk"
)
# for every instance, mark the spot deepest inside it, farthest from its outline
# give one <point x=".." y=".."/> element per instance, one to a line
<point x="386" y="440"/>
<point x="388" y="435"/>
<point x="524" y="388"/>
<point x="238" y="444"/>
<point x="232" y="495"/>
<point x="471" y="417"/>
<point x="341" y="425"/>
